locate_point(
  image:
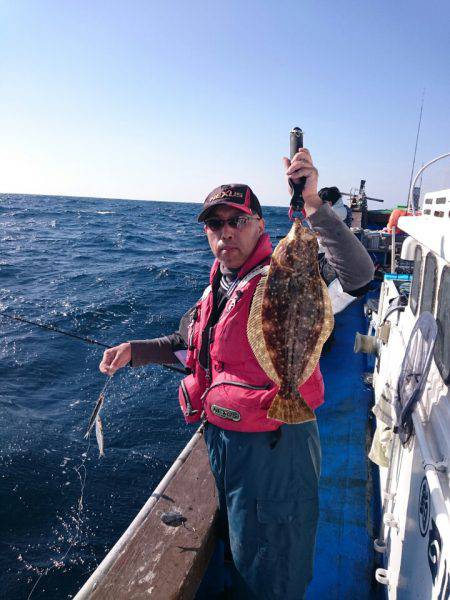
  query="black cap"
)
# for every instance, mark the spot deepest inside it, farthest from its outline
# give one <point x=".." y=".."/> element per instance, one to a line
<point x="237" y="195"/>
<point x="330" y="194"/>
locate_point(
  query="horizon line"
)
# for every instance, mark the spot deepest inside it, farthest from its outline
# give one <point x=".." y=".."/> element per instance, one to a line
<point x="111" y="198"/>
<point x="128" y="199"/>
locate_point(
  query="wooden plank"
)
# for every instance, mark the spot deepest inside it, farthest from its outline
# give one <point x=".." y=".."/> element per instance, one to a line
<point x="165" y="562"/>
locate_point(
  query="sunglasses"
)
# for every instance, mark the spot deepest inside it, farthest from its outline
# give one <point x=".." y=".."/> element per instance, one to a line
<point x="233" y="222"/>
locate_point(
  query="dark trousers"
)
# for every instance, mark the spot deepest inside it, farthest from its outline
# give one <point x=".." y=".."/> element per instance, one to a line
<point x="268" y="499"/>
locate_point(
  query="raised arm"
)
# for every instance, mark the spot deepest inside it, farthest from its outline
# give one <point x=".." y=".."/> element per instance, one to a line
<point x="344" y="252"/>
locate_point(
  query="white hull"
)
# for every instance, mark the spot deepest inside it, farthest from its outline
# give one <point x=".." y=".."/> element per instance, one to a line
<point x="414" y="541"/>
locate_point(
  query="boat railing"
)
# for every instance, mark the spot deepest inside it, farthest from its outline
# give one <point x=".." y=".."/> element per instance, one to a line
<point x="419" y="173"/>
<point x="104" y="567"/>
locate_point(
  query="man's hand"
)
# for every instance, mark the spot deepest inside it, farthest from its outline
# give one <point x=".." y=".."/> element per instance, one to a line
<point x="302" y="166"/>
<point x="115" y="358"/>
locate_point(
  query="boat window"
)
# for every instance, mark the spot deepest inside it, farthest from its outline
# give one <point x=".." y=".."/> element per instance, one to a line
<point x="441" y="200"/>
<point x="429" y="201"/>
<point x="442" y="348"/>
<point x="429" y="284"/>
<point x="415" y="287"/>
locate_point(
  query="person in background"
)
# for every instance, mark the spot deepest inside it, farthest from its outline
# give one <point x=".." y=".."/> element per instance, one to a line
<point x="333" y="196"/>
<point x="266" y="472"/>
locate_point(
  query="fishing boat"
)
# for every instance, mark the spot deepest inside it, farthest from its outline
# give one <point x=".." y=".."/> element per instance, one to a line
<point x="361" y="216"/>
<point x="384" y="528"/>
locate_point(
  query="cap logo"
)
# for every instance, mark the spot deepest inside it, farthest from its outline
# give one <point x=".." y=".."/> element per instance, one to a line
<point x="226" y="194"/>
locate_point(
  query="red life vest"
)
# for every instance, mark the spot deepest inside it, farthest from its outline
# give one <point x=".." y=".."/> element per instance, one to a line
<point x="232" y="390"/>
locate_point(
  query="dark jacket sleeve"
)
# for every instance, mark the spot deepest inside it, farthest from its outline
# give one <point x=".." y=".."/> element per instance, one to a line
<point x="343" y="251"/>
<point x="161" y="350"/>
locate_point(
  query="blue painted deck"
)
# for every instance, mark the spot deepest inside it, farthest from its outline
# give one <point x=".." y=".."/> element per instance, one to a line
<point x="344" y="552"/>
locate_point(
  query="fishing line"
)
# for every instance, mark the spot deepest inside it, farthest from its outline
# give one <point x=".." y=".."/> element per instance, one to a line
<point x="78" y="337"/>
<point x="81" y="472"/>
<point x="82" y="477"/>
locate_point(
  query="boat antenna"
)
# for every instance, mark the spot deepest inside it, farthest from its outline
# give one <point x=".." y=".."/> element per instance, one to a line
<point x="415" y="147"/>
<point x="14" y="317"/>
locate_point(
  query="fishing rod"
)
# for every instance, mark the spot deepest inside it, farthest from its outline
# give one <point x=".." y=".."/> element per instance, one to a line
<point x="74" y="335"/>
<point x="52" y="328"/>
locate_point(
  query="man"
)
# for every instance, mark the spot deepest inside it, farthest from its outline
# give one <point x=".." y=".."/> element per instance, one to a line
<point x="266" y="472"/>
<point x="333" y="196"/>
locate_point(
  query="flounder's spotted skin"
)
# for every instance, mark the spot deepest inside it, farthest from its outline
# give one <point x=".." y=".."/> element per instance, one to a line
<point x="290" y="320"/>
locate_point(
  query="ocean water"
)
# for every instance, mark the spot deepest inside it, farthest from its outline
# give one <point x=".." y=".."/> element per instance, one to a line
<point x="112" y="270"/>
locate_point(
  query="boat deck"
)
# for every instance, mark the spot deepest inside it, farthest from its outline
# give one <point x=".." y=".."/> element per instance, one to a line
<point x="344" y="559"/>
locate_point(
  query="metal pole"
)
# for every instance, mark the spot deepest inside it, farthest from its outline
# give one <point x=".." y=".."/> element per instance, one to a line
<point x="393" y="250"/>
<point x="417" y="140"/>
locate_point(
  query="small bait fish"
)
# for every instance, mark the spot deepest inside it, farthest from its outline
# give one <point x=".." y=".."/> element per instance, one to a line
<point x="97" y="408"/>
<point x="94" y="415"/>
<point x="99" y="435"/>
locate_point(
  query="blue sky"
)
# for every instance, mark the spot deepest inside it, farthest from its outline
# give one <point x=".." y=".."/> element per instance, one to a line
<point x="164" y="101"/>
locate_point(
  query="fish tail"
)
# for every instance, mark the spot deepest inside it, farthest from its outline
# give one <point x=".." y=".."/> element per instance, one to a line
<point x="290" y="407"/>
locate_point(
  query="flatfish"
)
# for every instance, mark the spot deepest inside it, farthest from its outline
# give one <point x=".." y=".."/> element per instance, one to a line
<point x="290" y="319"/>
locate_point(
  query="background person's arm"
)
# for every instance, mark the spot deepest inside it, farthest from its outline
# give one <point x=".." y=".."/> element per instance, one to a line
<point x="343" y="251"/>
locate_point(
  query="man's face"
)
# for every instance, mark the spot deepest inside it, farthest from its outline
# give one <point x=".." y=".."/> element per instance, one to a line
<point x="232" y="246"/>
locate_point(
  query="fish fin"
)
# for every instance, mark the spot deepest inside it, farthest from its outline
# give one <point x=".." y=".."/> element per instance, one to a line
<point x="255" y="334"/>
<point x="290" y="408"/>
<point x="327" y="328"/>
<point x="101" y="453"/>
